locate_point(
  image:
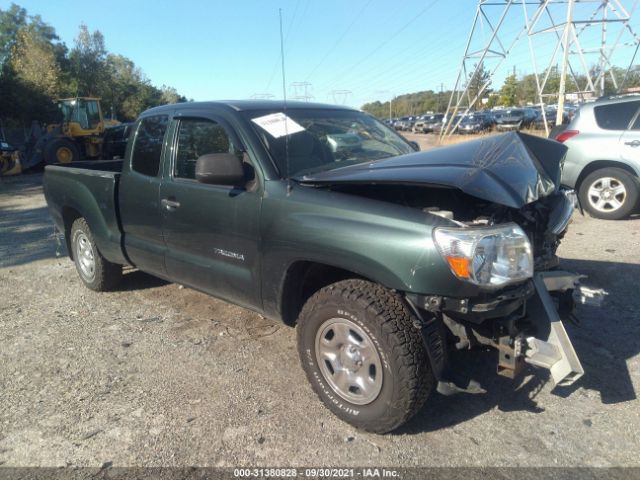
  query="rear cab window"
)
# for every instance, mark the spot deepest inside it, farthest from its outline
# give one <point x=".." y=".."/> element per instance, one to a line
<point x="147" y="149"/>
<point x="615" y="116"/>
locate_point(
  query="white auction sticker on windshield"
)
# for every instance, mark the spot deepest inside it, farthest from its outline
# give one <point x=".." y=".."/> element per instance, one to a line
<point x="278" y="124"/>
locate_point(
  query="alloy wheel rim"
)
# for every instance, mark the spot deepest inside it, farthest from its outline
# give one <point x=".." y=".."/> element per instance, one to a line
<point x="349" y="361"/>
<point x="86" y="260"/>
<point x="607" y="194"/>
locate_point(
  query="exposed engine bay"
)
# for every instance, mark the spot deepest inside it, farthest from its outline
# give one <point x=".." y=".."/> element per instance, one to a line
<point x="544" y="220"/>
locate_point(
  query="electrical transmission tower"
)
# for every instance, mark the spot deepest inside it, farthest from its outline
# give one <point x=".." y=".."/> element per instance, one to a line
<point x="301" y="91"/>
<point x="340" y="96"/>
<point x="564" y="32"/>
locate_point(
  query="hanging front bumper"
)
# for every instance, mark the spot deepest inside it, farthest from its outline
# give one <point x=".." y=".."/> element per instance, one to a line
<point x="551" y="348"/>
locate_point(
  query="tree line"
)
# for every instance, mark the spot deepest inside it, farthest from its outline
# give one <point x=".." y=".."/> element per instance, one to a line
<point x="36" y="67"/>
<point x="515" y="91"/>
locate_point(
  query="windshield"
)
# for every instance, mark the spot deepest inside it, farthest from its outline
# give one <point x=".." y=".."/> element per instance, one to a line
<point x="471" y="119"/>
<point x="325" y="139"/>
<point x="512" y="113"/>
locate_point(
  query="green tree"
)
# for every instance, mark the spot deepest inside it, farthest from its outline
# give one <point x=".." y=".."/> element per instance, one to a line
<point x="477" y="81"/>
<point x="34" y="63"/>
<point x="88" y="62"/>
<point x="121" y="87"/>
<point x="509" y="91"/>
<point x="170" y="95"/>
<point x="11" y="21"/>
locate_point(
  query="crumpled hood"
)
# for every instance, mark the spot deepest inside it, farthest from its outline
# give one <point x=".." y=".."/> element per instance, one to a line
<point x="511" y="169"/>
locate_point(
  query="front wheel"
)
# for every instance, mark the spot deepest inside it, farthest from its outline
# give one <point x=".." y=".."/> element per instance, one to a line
<point x="95" y="271"/>
<point x="363" y="355"/>
<point x="609" y="193"/>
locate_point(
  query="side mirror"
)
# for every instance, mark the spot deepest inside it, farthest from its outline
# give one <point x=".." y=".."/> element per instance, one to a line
<point x="414" y="145"/>
<point x="220" y="169"/>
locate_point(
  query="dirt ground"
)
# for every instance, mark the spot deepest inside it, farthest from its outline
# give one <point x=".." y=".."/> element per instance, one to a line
<point x="158" y="375"/>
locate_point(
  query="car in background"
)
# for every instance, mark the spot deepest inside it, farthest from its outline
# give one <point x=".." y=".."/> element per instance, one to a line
<point x="603" y="160"/>
<point x="550" y="114"/>
<point x="401" y="123"/>
<point x="476" y="122"/>
<point x="440" y="126"/>
<point x="115" y="141"/>
<point x="407" y="125"/>
<point x="428" y="123"/>
<point x="514" y="119"/>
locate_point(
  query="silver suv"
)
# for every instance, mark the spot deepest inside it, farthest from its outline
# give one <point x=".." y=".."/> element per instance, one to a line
<point x="603" y="161"/>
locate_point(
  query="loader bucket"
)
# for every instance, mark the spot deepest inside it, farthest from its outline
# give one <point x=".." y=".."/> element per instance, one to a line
<point x="10" y="164"/>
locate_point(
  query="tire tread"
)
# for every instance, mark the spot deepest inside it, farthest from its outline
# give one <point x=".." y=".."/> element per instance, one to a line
<point x="408" y="352"/>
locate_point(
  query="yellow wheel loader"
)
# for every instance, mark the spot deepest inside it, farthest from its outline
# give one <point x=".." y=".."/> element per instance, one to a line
<point x="79" y="135"/>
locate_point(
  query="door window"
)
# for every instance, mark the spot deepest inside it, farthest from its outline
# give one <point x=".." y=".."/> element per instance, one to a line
<point x="197" y="137"/>
<point x="616" y="116"/>
<point x="148" y="145"/>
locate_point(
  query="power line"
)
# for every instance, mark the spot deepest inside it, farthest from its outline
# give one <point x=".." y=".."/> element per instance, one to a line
<point x="384" y="43"/>
<point x="340" y="94"/>
<point x="337" y="42"/>
<point x="301" y="91"/>
<point x="286" y="37"/>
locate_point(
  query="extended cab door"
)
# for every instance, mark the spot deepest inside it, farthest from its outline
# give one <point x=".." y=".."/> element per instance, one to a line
<point x="139" y="196"/>
<point x="211" y="231"/>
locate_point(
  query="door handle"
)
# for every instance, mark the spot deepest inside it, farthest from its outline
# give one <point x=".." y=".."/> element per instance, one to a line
<point x="170" y="205"/>
<point x="635" y="143"/>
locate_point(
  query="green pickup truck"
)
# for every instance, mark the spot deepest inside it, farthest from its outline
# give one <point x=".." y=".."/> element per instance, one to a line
<point x="383" y="257"/>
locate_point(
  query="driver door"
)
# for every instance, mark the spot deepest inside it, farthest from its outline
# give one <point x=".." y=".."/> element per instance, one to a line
<point x="211" y="231"/>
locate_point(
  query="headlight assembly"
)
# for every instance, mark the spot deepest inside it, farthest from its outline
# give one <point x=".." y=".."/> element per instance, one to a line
<point x="487" y="256"/>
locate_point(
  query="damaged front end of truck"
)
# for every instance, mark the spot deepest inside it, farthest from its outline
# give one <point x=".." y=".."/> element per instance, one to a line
<point x="498" y="215"/>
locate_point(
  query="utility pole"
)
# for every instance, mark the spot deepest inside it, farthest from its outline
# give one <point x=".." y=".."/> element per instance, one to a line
<point x="565" y="62"/>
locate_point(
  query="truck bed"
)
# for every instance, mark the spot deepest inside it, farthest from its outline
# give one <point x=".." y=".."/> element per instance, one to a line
<point x="87" y="189"/>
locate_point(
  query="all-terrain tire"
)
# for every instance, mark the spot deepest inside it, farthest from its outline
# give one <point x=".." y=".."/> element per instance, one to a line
<point x="614" y="178"/>
<point x="95" y="271"/>
<point x="407" y="378"/>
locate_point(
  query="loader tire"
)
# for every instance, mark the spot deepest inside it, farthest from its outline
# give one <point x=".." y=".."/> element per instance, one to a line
<point x="61" y="150"/>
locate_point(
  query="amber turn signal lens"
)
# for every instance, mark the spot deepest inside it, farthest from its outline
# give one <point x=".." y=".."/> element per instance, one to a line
<point x="461" y="266"/>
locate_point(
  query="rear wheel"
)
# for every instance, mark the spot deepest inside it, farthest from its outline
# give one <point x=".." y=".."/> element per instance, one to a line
<point x="363" y="355"/>
<point x="95" y="271"/>
<point x="61" y="150"/>
<point x="609" y="193"/>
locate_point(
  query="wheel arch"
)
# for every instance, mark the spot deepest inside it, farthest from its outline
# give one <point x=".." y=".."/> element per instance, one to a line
<point x="302" y="279"/>
<point x="600" y="164"/>
<point x="69" y="215"/>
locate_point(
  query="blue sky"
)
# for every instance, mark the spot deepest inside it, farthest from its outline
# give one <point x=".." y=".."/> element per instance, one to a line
<point x="230" y="49"/>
